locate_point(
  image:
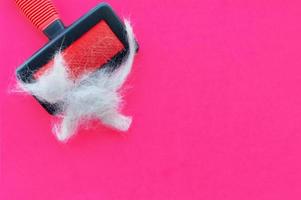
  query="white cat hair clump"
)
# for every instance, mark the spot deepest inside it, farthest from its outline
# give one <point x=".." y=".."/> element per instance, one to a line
<point x="93" y="96"/>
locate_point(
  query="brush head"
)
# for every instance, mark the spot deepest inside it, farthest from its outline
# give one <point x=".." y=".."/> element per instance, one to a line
<point x="96" y="40"/>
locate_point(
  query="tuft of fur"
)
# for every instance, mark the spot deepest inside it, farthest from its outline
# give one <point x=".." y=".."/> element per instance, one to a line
<point x="94" y="95"/>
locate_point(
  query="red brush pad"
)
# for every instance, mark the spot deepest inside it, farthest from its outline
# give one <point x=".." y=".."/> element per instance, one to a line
<point x="92" y="50"/>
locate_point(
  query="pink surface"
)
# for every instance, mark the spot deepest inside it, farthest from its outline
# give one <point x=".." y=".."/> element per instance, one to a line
<point x="215" y="96"/>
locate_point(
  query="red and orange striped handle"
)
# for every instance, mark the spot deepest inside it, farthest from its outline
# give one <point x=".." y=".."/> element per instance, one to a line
<point x="41" y="13"/>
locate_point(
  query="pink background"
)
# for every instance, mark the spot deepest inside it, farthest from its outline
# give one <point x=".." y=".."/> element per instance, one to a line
<point x="215" y="96"/>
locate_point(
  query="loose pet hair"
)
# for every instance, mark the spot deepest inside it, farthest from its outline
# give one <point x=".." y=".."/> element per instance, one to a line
<point x="93" y="96"/>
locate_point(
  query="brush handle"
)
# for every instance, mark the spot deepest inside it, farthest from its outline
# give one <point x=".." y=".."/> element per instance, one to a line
<point x="42" y="15"/>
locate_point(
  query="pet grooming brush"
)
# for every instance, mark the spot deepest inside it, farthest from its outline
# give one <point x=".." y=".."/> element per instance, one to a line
<point x="79" y="72"/>
<point x="96" y="40"/>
